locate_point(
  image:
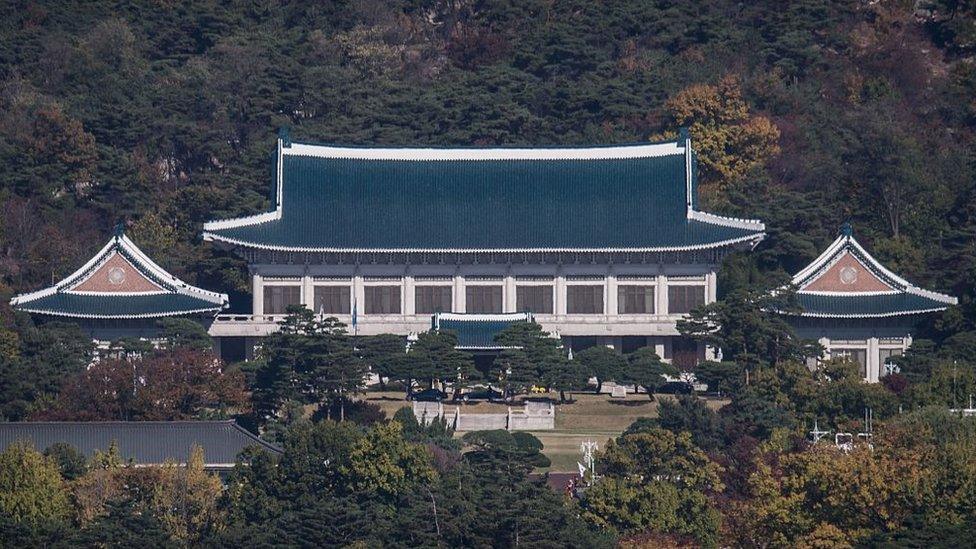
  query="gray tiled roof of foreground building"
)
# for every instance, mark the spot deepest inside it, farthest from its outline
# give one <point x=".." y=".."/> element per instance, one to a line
<point x="143" y="442"/>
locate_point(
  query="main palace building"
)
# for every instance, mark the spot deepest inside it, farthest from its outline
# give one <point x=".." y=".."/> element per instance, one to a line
<point x="603" y="245"/>
<point x="599" y="245"/>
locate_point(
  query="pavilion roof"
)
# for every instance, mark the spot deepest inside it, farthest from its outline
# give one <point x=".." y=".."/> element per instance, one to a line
<point x="845" y="281"/>
<point x="120" y="282"/>
<point x="476" y="331"/>
<point x="639" y="198"/>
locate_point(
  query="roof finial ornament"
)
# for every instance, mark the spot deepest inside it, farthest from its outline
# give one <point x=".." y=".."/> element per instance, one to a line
<point x="284" y="136"/>
<point x="119" y="228"/>
<point x="846" y="229"/>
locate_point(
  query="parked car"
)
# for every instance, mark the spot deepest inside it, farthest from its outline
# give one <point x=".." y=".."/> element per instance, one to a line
<point x="428" y="395"/>
<point x="481" y="393"/>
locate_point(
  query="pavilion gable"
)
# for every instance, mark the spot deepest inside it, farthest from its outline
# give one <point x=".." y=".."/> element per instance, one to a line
<point x="120" y="282"/>
<point x="847" y="282"/>
<point x="847" y="274"/>
<point x="116" y="275"/>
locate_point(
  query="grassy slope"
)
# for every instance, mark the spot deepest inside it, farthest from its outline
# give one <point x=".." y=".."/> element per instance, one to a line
<point x="588" y="416"/>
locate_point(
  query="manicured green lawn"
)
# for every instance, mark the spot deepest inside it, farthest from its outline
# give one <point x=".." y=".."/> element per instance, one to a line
<point x="585" y="416"/>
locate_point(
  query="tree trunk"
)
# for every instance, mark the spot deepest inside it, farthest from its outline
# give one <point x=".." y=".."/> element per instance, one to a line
<point x="599" y="385"/>
<point x="342" y="409"/>
<point x="562" y="396"/>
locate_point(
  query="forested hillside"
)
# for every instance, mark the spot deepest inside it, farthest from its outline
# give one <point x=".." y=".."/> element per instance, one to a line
<point x="163" y="113"/>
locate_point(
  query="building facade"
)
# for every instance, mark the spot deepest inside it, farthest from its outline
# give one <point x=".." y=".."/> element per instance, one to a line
<point x="855" y="307"/>
<point x="120" y="293"/>
<point x="602" y="245"/>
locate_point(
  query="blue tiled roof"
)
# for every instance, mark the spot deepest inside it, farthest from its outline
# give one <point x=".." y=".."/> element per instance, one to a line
<point x="866" y="305"/>
<point x="367" y="204"/>
<point x="172" y="296"/>
<point x="902" y="297"/>
<point x="474" y="332"/>
<point x="114" y="306"/>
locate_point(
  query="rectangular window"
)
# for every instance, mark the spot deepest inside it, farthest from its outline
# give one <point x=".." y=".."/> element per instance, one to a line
<point x="331" y="300"/>
<point x="432" y="299"/>
<point x="382" y="300"/>
<point x="483" y="299"/>
<point x="682" y="299"/>
<point x="533" y="299"/>
<point x="635" y="300"/>
<point x="278" y="298"/>
<point x="584" y="300"/>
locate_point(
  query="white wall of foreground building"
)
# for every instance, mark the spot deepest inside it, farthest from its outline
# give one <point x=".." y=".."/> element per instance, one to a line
<point x="872" y="339"/>
<point x="610" y="325"/>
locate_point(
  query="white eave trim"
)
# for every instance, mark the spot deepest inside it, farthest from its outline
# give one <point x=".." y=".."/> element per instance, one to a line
<point x="212" y="237"/>
<point x="872" y="315"/>
<point x="733" y="222"/>
<point x="498" y="153"/>
<point x="108" y="317"/>
<point x="835" y="251"/>
<point x="143" y="261"/>
<point x="484" y="317"/>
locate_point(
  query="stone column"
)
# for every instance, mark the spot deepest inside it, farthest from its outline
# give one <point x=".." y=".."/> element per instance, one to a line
<point x="509" y="304"/>
<point x="711" y="290"/>
<point x="257" y="295"/>
<point x="661" y="296"/>
<point x="459" y="301"/>
<point x="873" y="369"/>
<point x="359" y="294"/>
<point x="409" y="296"/>
<point x="560" y="295"/>
<point x="610" y="301"/>
<point x="308" y="293"/>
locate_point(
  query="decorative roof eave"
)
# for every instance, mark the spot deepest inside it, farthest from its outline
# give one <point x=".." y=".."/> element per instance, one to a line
<point x="121" y="243"/>
<point x="427" y="154"/>
<point x="752" y="239"/>
<point x="865" y="315"/>
<point x="51" y="312"/>
<point x="834" y="252"/>
<point x="722" y="221"/>
<point x="484" y="317"/>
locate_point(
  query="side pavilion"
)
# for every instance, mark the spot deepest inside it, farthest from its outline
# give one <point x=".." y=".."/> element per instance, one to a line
<point x="855" y="307"/>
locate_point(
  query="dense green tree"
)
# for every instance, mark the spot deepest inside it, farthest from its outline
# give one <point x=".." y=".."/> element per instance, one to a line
<point x="31" y="489"/>
<point x="746" y="326"/>
<point x="655" y="480"/>
<point x="184" y="332"/>
<point x="381" y="353"/>
<point x="690" y="414"/>
<point x="646" y="369"/>
<point x="436" y="358"/>
<point x="71" y="462"/>
<point x="535" y="357"/>
<point x="603" y="363"/>
<point x="308" y="360"/>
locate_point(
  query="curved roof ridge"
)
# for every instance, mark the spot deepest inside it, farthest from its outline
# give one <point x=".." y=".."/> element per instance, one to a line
<point x="170" y="285"/>
<point x="904" y="298"/>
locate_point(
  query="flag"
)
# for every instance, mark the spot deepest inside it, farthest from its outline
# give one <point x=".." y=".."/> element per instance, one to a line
<point x="355" y="319"/>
